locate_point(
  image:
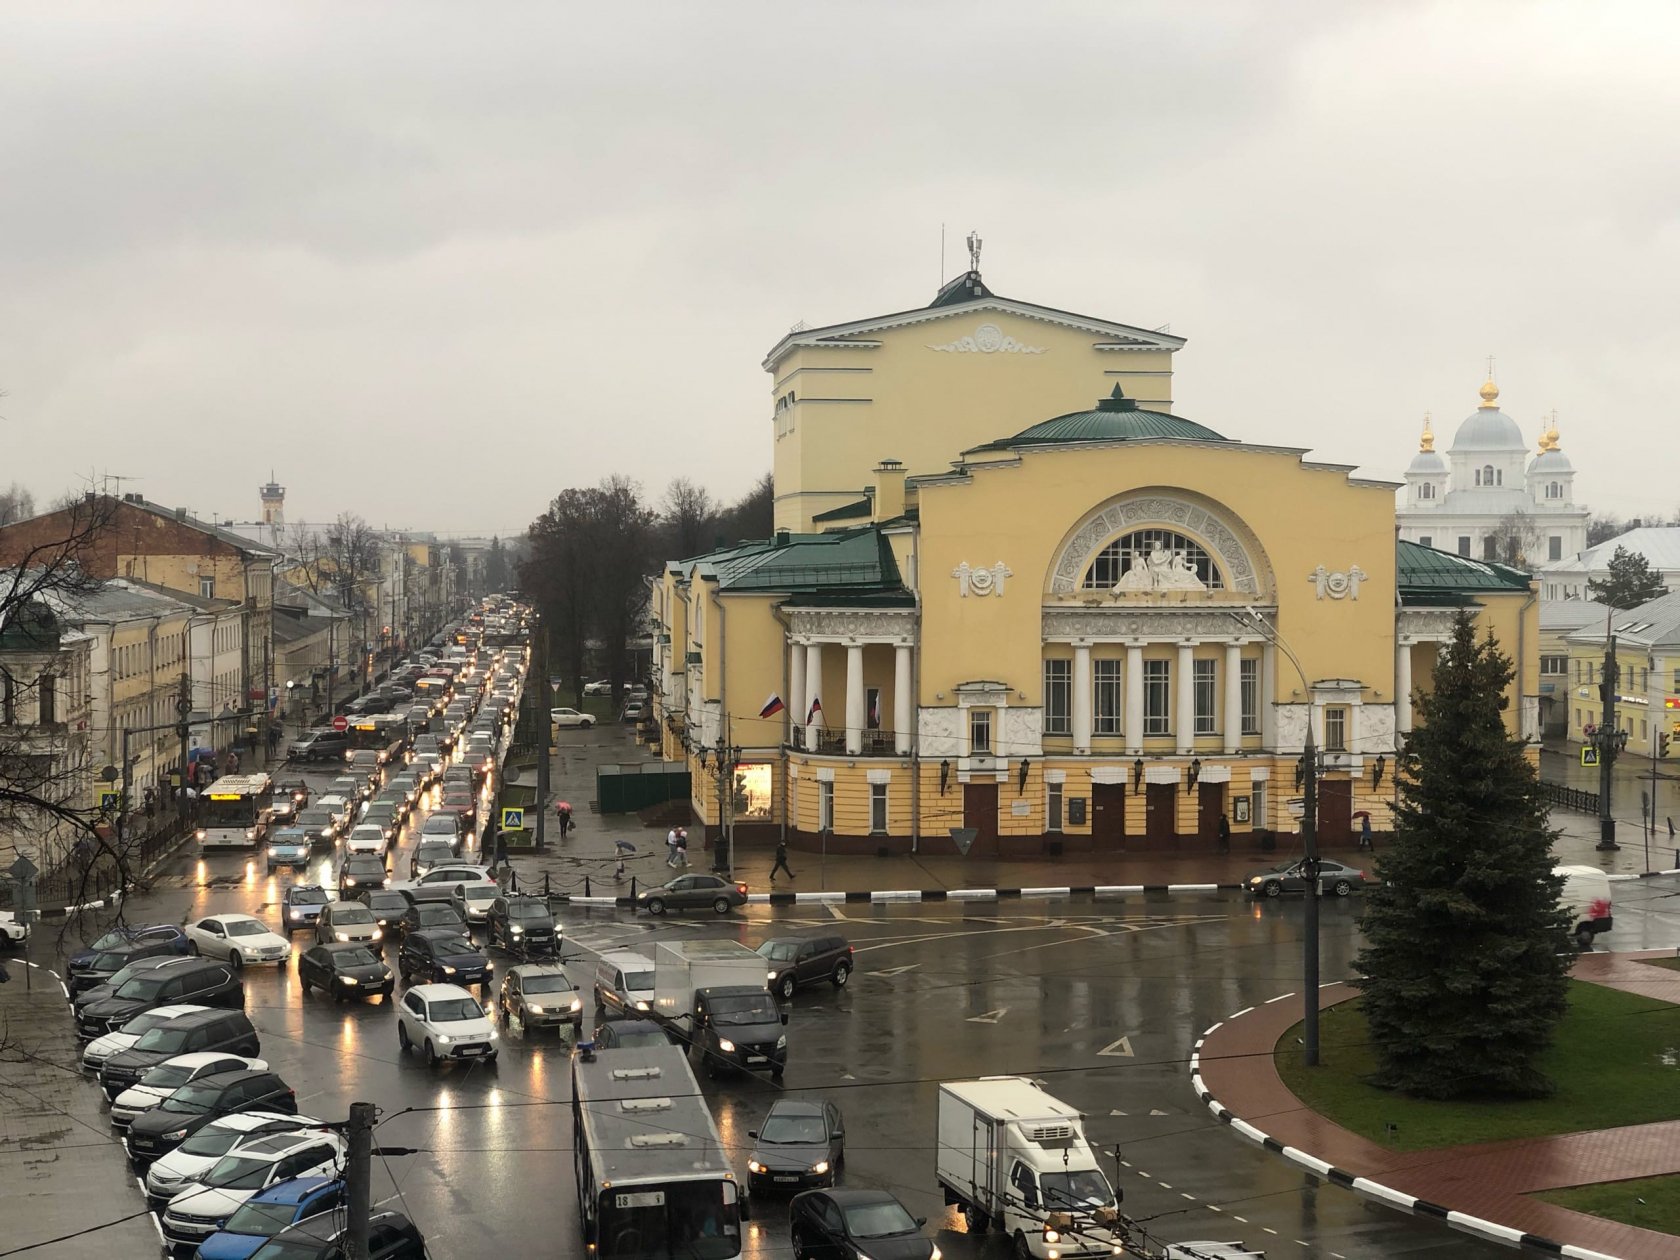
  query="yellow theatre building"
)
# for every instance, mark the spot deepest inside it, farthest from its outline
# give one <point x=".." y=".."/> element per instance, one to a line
<point x="1011" y="591"/>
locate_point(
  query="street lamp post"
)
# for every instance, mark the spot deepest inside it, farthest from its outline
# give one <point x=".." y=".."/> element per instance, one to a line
<point x="1309" y="855"/>
<point x="1609" y="743"/>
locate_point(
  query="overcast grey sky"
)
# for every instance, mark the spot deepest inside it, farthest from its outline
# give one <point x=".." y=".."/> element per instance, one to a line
<point x="433" y="262"/>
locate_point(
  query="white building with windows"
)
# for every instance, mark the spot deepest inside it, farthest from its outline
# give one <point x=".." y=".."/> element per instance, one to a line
<point x="1487" y="499"/>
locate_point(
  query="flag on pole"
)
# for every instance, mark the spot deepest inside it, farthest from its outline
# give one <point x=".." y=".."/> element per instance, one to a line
<point x="772" y="706"/>
<point x="816" y="712"/>
<point x="874" y="710"/>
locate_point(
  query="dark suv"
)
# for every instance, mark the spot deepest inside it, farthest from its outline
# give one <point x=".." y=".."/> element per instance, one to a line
<point x="157" y="1132"/>
<point x="522" y="925"/>
<point x="319" y="746"/>
<point x="119" y="947"/>
<point x="229" y="1032"/>
<point x="195" y="981"/>
<point x="793" y="961"/>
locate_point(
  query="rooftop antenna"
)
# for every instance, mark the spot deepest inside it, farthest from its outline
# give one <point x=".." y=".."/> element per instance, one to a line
<point x="110" y="477"/>
<point x="1490" y="367"/>
<point x="941" y="255"/>
<point x="974" y="243"/>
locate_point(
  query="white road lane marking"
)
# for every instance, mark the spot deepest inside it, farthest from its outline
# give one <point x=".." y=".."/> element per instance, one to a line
<point x="1119" y="1049"/>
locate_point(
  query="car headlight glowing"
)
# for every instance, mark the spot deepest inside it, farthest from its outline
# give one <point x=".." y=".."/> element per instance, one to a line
<point x="1051" y="1236"/>
<point x="726" y="1045"/>
<point x="296" y="913"/>
<point x="449" y="971"/>
<point x="348" y="980"/>
<point x="517" y="930"/>
<point x="770" y="975"/>
<point x="820" y="1167"/>
<point x="754" y="1166"/>
<point x="343" y="936"/>
<point x="641" y="1006"/>
<point x="377" y="934"/>
<point x="442" y="1040"/>
<point x="577" y="1004"/>
<point x="535" y="1010"/>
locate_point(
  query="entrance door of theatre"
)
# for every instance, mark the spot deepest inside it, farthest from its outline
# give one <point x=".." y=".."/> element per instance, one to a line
<point x="1335" y="811"/>
<point x="1210" y="804"/>
<point x="1160" y="811"/>
<point x="980" y="811"/>
<point x="1108" y="815"/>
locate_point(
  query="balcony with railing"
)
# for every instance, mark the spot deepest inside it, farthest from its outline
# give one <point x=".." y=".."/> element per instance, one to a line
<point x="832" y="743"/>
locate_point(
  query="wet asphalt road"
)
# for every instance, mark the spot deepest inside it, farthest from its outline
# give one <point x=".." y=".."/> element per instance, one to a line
<point x="1101" y="999"/>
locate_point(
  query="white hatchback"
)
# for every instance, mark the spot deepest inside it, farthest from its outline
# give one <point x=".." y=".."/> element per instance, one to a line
<point x="366" y="838"/>
<point x="239" y="938"/>
<point x="167" y="1077"/>
<point x="444" y="1021"/>
<point x="204" y="1205"/>
<point x="188" y="1161"/>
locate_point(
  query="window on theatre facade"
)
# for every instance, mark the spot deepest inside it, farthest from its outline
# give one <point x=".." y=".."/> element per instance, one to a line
<point x="1206" y="688"/>
<point x="1108" y="703"/>
<point x="1058" y="696"/>
<point x="1115" y="560"/>
<point x="1157" y="697"/>
<point x="1250" y="675"/>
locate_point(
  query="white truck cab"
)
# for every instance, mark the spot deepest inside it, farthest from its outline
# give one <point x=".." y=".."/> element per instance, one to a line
<point x="1015" y="1159"/>
<point x="1586" y="896"/>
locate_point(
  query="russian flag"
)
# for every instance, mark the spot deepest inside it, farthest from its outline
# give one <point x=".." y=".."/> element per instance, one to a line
<point x="815" y="713"/>
<point x="772" y="706"/>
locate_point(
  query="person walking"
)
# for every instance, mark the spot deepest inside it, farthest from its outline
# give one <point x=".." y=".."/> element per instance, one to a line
<point x="1365" y="833"/>
<point x="781" y="861"/>
<point x="682" y="847"/>
<point x="671" y="848"/>
<point x="1224" y="834"/>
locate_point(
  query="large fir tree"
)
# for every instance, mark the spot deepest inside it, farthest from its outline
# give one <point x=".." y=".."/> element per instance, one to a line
<point x="1465" y="966"/>
<point x="1629" y="583"/>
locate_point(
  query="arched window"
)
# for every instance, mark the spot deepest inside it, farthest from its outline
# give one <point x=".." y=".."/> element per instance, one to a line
<point x="1554" y="490"/>
<point x="1428" y="490"/>
<point x="1114" y="560"/>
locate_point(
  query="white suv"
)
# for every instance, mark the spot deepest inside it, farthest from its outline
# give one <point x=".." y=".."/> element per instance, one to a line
<point x="204" y="1205"/>
<point x="366" y="838"/>
<point x="189" y="1161"/>
<point x="446" y="1022"/>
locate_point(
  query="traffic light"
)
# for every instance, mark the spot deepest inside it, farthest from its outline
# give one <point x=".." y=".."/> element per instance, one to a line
<point x="1662" y="743"/>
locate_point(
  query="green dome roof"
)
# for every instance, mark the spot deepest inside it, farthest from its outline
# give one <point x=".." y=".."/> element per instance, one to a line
<point x="1116" y="419"/>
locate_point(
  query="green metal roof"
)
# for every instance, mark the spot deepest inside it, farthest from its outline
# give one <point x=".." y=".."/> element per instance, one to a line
<point x="856" y="561"/>
<point x="1428" y="576"/>
<point x="1115" y="419"/>
<point x="847" y="511"/>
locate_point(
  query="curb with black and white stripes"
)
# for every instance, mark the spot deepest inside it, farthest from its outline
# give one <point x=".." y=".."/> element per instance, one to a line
<point x="1386" y="1195"/>
<point x="934" y="894"/>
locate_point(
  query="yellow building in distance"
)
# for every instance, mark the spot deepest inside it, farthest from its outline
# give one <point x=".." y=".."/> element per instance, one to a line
<point x="1057" y="626"/>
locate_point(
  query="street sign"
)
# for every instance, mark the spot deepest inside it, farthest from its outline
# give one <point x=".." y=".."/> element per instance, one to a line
<point x="110" y="774"/>
<point x="23" y="870"/>
<point x="341" y="723"/>
<point x="109" y="800"/>
<point x="963" y="837"/>
<point x="513" y="818"/>
<point x="1297" y="806"/>
<point x="1589" y="755"/>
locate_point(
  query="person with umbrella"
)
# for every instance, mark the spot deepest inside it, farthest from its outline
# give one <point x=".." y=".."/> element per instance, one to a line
<point x="563" y="814"/>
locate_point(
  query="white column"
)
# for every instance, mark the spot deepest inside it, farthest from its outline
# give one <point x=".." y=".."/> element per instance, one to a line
<point x="796" y="685"/>
<point x="1233" y="697"/>
<point x="1081" y="698"/>
<point x="813" y="691"/>
<point x="1134" y="698"/>
<point x="901" y="700"/>
<point x="1403" y="687"/>
<point x="1185" y="718"/>
<point x="854" y="698"/>
<point x="1268" y="695"/>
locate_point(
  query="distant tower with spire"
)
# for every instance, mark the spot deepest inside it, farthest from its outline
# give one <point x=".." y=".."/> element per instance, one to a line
<point x="273" y="502"/>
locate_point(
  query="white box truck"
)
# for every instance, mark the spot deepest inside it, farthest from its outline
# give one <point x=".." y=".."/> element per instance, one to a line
<point x="1586" y="896"/>
<point x="1015" y="1159"/>
<point x="682" y="968"/>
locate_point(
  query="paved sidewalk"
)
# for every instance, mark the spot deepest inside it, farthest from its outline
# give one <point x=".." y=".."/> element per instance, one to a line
<point x="591" y="852"/>
<point x="1491" y="1181"/>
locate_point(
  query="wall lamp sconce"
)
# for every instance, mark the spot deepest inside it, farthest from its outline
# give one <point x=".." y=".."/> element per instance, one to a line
<point x="1021" y="786"/>
<point x="1195" y="770"/>
<point x="944" y="775"/>
<point x="1137" y="774"/>
<point x="1377" y="768"/>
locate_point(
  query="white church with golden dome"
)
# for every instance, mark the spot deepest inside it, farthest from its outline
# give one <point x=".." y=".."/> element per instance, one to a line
<point x="1487" y="498"/>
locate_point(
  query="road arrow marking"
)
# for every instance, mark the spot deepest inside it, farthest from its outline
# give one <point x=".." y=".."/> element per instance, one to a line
<point x="1117" y="1113"/>
<point x="1153" y="1112"/>
<point x="1118" y="1049"/>
<point x="990" y="1017"/>
<point x="897" y="971"/>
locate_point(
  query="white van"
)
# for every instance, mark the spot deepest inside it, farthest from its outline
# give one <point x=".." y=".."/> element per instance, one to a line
<point x="1586" y="895"/>
<point x="623" y="983"/>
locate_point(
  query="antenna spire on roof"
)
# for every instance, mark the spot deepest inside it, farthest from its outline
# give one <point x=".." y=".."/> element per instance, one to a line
<point x="974" y="244"/>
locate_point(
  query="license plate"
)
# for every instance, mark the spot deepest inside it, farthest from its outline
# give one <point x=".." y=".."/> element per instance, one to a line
<point x="757" y="1058"/>
<point x="787" y="1178"/>
<point x="469" y="1051"/>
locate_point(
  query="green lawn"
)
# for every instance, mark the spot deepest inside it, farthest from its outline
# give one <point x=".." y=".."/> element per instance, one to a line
<point x="1673" y="964"/>
<point x="1614" y="1063"/>
<point x="1619" y="1201"/>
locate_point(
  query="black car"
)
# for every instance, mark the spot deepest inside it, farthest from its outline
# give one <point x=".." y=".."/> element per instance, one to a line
<point x="359" y="871"/>
<point x="391" y="1236"/>
<point x="388" y="906"/>
<point x="178" y="981"/>
<point x="625" y="1034"/>
<point x="323" y="745"/>
<point x="322" y="827"/>
<point x="345" y="969"/>
<point x="426" y="915"/>
<point x="160" y="1130"/>
<point x="522" y="924"/>
<point x="736" y="1026"/>
<point x="110" y="953"/>
<point x="439" y="956"/>
<point x="802" y="1143"/>
<point x="100" y="992"/>
<point x="800" y="960"/>
<point x="206" y="1031"/>
<point x="856" y="1225"/>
